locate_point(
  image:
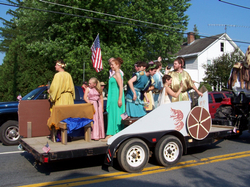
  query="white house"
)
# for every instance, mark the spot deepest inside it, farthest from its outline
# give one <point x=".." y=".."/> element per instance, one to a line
<point x="204" y="51"/>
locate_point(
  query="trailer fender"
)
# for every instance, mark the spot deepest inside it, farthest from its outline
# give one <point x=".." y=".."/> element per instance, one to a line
<point x="150" y="139"/>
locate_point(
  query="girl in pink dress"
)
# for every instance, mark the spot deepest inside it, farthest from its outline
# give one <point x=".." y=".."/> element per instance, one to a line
<point x="93" y="94"/>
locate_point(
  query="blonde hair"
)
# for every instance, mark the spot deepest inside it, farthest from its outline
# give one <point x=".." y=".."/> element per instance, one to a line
<point x="98" y="85"/>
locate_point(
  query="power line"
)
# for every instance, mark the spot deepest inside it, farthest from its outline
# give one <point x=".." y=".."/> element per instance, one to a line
<point x="121" y="17"/>
<point x="116" y="15"/>
<point x="116" y="22"/>
<point x="75" y="15"/>
<point x="234" y="4"/>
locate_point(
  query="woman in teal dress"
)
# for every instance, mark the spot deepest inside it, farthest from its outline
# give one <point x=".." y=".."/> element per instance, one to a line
<point x="116" y="102"/>
<point x="138" y="83"/>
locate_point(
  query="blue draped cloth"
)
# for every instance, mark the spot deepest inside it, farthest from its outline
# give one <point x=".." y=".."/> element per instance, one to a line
<point x="75" y="126"/>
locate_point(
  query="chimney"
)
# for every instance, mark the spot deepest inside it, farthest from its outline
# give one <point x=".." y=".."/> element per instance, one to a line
<point x="190" y="37"/>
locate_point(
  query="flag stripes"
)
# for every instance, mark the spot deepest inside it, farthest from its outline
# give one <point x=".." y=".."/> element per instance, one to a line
<point x="96" y="55"/>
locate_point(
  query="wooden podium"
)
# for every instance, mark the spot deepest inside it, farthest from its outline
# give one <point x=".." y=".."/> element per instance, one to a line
<point x="33" y="116"/>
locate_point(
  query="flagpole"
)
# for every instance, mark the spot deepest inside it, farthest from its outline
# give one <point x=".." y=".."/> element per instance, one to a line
<point x="83" y="76"/>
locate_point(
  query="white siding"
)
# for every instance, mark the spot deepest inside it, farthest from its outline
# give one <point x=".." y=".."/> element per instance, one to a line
<point x="193" y="74"/>
<point x="191" y="63"/>
<point x="211" y="53"/>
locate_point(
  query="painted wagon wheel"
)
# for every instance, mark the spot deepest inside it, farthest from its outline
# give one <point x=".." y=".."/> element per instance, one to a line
<point x="199" y="123"/>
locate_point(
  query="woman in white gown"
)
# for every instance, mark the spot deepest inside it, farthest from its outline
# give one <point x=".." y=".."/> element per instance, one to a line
<point x="167" y="93"/>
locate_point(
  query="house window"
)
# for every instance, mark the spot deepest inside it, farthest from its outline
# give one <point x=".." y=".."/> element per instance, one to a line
<point x="222" y="47"/>
<point x="208" y="62"/>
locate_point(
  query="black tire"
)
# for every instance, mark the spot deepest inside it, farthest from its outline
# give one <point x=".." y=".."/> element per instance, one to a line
<point x="168" y="150"/>
<point x="133" y="155"/>
<point x="9" y="133"/>
<point x="223" y="112"/>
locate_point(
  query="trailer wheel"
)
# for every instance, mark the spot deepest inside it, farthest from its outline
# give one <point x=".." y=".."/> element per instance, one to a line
<point x="168" y="150"/>
<point x="9" y="133"/>
<point x="133" y="155"/>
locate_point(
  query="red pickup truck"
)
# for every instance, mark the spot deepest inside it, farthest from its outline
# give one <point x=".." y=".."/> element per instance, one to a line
<point x="215" y="99"/>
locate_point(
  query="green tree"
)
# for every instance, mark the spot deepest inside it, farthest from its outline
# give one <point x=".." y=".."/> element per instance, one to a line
<point x="196" y="32"/>
<point x="39" y="38"/>
<point x="218" y="72"/>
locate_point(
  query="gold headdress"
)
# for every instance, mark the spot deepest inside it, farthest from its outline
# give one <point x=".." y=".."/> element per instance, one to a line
<point x="59" y="64"/>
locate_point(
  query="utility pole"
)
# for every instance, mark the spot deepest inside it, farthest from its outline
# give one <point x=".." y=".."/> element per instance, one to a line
<point x="83" y="75"/>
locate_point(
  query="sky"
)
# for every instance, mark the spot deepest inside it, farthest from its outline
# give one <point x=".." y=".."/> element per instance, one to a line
<point x="207" y="15"/>
<point x="214" y="12"/>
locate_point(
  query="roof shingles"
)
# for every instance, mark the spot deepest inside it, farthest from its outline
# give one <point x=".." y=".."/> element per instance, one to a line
<point x="198" y="45"/>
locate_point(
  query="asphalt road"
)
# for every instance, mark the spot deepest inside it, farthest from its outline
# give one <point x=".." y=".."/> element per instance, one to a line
<point x="225" y="163"/>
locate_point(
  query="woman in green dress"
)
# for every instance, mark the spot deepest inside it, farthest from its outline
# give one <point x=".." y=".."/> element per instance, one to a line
<point x="116" y="101"/>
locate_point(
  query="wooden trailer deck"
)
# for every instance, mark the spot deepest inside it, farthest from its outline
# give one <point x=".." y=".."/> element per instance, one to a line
<point x="58" y="151"/>
<point x="37" y="143"/>
<point x="217" y="128"/>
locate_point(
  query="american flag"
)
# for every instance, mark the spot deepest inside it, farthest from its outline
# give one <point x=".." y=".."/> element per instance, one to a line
<point x="46" y="148"/>
<point x="96" y="55"/>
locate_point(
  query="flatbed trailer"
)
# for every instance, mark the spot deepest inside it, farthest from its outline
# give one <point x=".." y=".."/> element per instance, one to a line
<point x="158" y="133"/>
<point x="82" y="148"/>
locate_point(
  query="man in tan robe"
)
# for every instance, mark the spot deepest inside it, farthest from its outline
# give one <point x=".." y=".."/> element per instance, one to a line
<point x="179" y="75"/>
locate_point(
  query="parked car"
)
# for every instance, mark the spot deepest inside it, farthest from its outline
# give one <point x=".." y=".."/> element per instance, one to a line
<point x="9" y="130"/>
<point x="215" y="99"/>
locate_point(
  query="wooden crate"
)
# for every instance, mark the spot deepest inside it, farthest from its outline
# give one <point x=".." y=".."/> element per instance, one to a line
<point x="129" y="121"/>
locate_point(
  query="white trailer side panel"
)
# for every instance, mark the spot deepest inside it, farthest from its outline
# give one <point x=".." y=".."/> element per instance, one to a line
<point x="170" y="116"/>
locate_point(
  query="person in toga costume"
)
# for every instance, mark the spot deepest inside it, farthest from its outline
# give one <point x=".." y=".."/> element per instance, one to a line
<point x="62" y="90"/>
<point x="138" y="83"/>
<point x="179" y="75"/>
<point x="158" y="82"/>
<point x="116" y="100"/>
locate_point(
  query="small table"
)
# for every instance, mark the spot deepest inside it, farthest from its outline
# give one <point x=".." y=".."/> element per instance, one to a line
<point x="64" y="134"/>
<point x="62" y="112"/>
